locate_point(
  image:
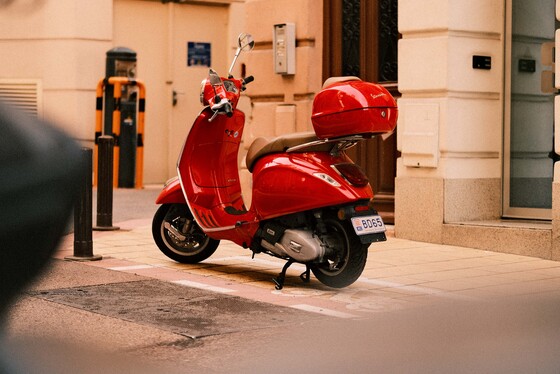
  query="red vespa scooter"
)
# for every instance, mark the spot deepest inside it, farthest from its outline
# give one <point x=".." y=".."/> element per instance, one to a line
<point x="311" y="204"/>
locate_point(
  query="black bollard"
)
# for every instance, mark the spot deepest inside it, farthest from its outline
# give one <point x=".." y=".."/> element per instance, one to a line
<point x="83" y="243"/>
<point x="105" y="184"/>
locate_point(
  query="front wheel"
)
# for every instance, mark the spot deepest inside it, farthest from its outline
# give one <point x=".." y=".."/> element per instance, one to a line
<point x="346" y="255"/>
<point x="179" y="237"/>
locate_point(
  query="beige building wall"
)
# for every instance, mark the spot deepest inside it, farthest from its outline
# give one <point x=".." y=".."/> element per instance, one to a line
<point x="451" y="130"/>
<point x="58" y="43"/>
<point x="450" y="115"/>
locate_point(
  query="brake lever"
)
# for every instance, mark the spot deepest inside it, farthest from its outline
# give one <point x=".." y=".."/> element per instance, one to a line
<point x="218" y="106"/>
<point x="213" y="116"/>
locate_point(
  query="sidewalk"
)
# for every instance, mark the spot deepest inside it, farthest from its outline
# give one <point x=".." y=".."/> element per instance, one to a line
<point x="399" y="273"/>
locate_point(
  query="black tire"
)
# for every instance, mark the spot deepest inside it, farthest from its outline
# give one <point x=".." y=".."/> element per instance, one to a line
<point x="347" y="258"/>
<point x="196" y="245"/>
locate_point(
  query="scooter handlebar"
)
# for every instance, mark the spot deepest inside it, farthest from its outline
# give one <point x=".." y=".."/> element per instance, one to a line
<point x="228" y="110"/>
<point x="248" y="79"/>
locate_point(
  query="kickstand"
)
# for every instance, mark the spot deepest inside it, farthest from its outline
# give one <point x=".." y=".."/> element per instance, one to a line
<point x="279" y="280"/>
<point x="306" y="275"/>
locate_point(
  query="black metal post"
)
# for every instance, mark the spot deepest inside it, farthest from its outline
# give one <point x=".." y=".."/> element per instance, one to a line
<point x="83" y="242"/>
<point x="105" y="184"/>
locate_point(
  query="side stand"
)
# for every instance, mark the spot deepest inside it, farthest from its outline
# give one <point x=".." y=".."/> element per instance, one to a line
<point x="306" y="275"/>
<point x="279" y="280"/>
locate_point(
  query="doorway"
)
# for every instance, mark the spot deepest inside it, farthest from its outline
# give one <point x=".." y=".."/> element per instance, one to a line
<point x="529" y="109"/>
<point x="360" y="39"/>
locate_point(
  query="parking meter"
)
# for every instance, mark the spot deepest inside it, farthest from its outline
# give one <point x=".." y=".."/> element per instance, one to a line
<point x="121" y="62"/>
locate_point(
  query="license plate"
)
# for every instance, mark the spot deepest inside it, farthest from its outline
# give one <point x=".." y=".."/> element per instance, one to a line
<point x="368" y="225"/>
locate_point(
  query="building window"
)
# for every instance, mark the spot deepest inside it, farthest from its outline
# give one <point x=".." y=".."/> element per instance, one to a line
<point x="388" y="38"/>
<point x="351" y="37"/>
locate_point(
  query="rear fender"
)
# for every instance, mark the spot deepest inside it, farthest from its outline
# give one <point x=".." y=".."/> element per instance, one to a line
<point x="171" y="193"/>
<point x="287" y="183"/>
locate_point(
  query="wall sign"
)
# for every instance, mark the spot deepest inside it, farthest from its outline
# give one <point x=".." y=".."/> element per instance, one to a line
<point x="199" y="54"/>
<point x="482" y="62"/>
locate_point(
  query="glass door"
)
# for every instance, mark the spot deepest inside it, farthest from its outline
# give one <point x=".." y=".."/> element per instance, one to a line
<point x="529" y="109"/>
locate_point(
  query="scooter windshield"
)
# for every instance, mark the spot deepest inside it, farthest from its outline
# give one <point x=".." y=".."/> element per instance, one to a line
<point x="214" y="78"/>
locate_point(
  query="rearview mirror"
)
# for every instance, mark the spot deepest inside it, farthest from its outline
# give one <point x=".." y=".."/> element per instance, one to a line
<point x="245" y="41"/>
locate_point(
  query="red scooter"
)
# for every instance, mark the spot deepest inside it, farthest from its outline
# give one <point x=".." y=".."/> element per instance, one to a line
<point x="310" y="204"/>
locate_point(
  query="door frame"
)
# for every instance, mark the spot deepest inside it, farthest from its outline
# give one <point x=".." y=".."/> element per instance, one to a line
<point x="507" y="210"/>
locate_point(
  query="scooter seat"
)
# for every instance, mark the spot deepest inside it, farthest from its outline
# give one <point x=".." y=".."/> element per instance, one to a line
<point x="263" y="146"/>
<point x="332" y="80"/>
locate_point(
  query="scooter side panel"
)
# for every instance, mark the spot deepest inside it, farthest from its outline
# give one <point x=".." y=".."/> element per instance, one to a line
<point x="285" y="184"/>
<point x="217" y="223"/>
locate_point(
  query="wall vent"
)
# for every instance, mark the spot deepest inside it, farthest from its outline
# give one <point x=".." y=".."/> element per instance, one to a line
<point x="24" y="94"/>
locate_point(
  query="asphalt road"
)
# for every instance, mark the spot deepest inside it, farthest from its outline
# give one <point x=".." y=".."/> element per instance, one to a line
<point x="128" y="323"/>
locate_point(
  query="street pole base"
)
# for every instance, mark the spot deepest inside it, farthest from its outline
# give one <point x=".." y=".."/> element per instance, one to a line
<point x="106" y="228"/>
<point x="84" y="258"/>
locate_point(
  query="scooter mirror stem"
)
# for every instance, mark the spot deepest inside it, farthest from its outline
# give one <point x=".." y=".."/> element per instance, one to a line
<point x="243" y="41"/>
<point x="234" y="60"/>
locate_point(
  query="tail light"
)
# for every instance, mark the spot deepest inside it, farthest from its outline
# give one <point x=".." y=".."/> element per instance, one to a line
<point x="352" y="173"/>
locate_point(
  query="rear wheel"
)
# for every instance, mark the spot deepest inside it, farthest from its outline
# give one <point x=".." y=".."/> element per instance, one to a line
<point x="346" y="255"/>
<point x="179" y="237"/>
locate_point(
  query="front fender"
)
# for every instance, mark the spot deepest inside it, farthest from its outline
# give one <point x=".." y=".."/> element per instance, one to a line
<point x="171" y="193"/>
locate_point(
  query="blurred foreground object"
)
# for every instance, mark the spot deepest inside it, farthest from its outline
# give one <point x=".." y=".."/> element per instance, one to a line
<point x="39" y="170"/>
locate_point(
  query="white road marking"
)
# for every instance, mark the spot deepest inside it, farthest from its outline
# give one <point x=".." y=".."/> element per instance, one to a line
<point x="203" y="286"/>
<point x="131" y="267"/>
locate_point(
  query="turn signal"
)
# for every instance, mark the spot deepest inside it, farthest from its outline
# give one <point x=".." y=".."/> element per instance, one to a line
<point x="352" y="173"/>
